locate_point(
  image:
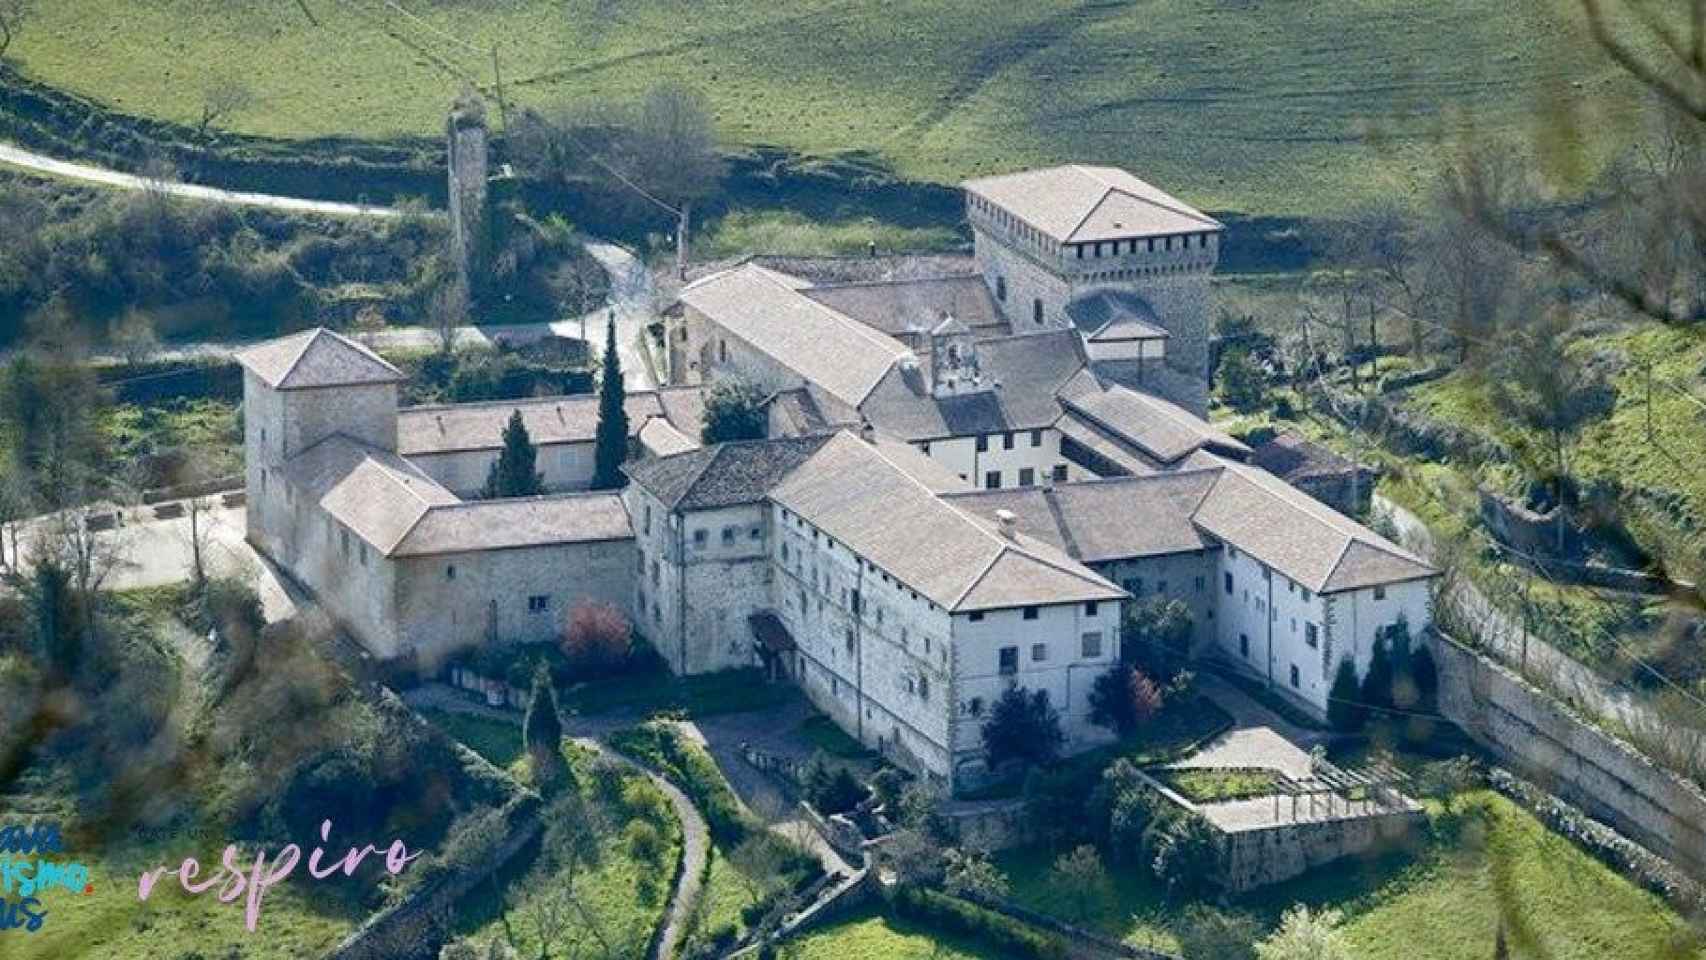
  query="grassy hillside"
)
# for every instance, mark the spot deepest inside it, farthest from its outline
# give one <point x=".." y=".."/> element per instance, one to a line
<point x="1255" y="105"/>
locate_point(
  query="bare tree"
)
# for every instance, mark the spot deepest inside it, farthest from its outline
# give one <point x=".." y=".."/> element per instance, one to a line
<point x="134" y="337"/>
<point x="14" y="16"/>
<point x="219" y="100"/>
<point x="580" y="285"/>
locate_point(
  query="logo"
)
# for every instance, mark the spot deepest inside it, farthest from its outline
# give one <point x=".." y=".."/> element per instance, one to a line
<point x="27" y="873"/>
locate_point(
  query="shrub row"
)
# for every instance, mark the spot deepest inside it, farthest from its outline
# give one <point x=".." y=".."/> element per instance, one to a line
<point x="951" y="915"/>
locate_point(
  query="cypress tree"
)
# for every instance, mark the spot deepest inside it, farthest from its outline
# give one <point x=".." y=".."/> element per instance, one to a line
<point x="612" y="442"/>
<point x="1377" y="683"/>
<point x="1343" y="710"/>
<point x="542" y="730"/>
<point x="513" y="475"/>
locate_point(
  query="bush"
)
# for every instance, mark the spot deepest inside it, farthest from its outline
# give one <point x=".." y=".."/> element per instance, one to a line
<point x="1210" y="934"/>
<point x="1003" y="934"/>
<point x="597" y="640"/>
<point x="1344" y="709"/>
<point x="1123" y="699"/>
<point x="734" y="410"/>
<point x="831" y="791"/>
<point x="1022" y="727"/>
<point x="1187" y="856"/>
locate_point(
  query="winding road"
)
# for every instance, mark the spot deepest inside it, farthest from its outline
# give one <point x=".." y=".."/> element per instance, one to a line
<point x="632" y="292"/>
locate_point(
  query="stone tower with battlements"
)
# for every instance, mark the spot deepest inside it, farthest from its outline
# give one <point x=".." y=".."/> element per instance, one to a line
<point x="1098" y="249"/>
<point x="466" y="157"/>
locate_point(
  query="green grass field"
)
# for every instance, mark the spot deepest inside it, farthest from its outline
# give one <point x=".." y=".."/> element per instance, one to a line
<point x="1440" y="903"/>
<point x="870" y="936"/>
<point x="1272" y="108"/>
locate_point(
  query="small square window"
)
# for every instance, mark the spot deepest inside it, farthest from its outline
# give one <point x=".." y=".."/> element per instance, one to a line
<point x="1060" y="473"/>
<point x="538" y="603"/>
<point x="1030" y="613"/>
<point x="992" y="480"/>
<point x="700" y="538"/>
<point x="1380" y="593"/>
<point x="976" y="616"/>
<point x="1027" y="477"/>
<point x="982" y="443"/>
<point x="1090" y="608"/>
<point x="1039" y="652"/>
<point x="1009" y="660"/>
<point x="1092" y="645"/>
<point x="728" y="536"/>
<point x="1036" y="438"/>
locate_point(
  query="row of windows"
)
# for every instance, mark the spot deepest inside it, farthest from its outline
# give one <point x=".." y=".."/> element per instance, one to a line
<point x="1135" y="586"/>
<point x="702" y="536"/>
<point x="1091" y="608"/>
<point x="1090" y="648"/>
<point x="1006" y="441"/>
<point x="1027" y="477"/>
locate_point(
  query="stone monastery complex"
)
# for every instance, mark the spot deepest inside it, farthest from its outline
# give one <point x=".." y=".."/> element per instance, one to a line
<point x="967" y="476"/>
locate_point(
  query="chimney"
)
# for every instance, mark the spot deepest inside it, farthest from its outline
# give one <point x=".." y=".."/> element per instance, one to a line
<point x="1009" y="523"/>
<point x="868" y="433"/>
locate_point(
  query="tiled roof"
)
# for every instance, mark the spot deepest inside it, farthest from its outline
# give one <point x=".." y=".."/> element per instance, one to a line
<point x="1287" y="529"/>
<point x="855" y="494"/>
<point x="842" y="356"/>
<point x="1078" y="204"/>
<point x="723" y="475"/>
<point x="1114" y="315"/>
<point x="316" y="358"/>
<point x="1164" y="431"/>
<point x="1028" y="371"/>
<point x="1113" y="519"/>
<point x="662" y="440"/>
<point x="452" y="427"/>
<point x="898" y="307"/>
<point x="375" y="493"/>
<point x="518" y="522"/>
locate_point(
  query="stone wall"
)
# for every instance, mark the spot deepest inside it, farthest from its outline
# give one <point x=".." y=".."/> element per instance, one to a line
<point x="1257" y="858"/>
<point x="990" y="825"/>
<point x="1530" y="732"/>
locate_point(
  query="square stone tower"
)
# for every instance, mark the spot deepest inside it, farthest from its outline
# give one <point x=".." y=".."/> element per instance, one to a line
<point x="300" y="390"/>
<point x="1098" y="249"/>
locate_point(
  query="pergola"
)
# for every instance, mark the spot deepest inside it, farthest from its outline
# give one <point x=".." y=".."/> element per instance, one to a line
<point x="1378" y="783"/>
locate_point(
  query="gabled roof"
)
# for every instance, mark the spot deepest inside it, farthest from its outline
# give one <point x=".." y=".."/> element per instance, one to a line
<point x="375" y="493"/>
<point x="515" y="523"/>
<point x="661" y="440"/>
<point x="725" y="475"/>
<point x="454" y="427"/>
<point x="316" y="358"/>
<point x="1080" y="204"/>
<point x="860" y="497"/>
<point x="1027" y="371"/>
<point x="1287" y="529"/>
<point x="1113" y="315"/>
<point x="898" y="307"/>
<point x="1162" y="430"/>
<point x="842" y="356"/>
<point x="1098" y="521"/>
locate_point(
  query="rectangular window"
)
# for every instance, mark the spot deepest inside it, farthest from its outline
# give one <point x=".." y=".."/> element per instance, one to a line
<point x="850" y="641"/>
<point x="1294" y="676"/>
<point x="1039" y="652"/>
<point x="1036" y="438"/>
<point x="700" y="537"/>
<point x="924" y="448"/>
<point x="1060" y="473"/>
<point x="1090" y="608"/>
<point x="1092" y="645"/>
<point x="1229" y="584"/>
<point x="754" y="532"/>
<point x="1244" y="644"/>
<point x="648" y="527"/>
<point x="450" y="572"/>
<point x="1200" y="584"/>
<point x="538" y="603"/>
<point x="1312" y="634"/>
<point x="1380" y="593"/>
<point x="1027" y="477"/>
<point x="1306" y="596"/>
<point x="1007" y="441"/>
<point x="1037" y="309"/>
<point x="1009" y="661"/>
<point x="982" y="443"/>
<point x="728" y="536"/>
<point x="992" y="480"/>
<point x="363" y="546"/>
<point x="1030" y="613"/>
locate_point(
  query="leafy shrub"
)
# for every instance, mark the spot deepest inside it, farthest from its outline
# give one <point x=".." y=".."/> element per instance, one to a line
<point x="1022" y="727"/>
<point x="1187" y="855"/>
<point x="596" y="640"/>
<point x="1003" y="934"/>
<point x="689" y="767"/>
<point x="831" y="791"/>
<point x="1344" y="707"/>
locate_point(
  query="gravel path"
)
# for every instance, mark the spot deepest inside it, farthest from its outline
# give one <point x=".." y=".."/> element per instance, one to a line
<point x="695" y="835"/>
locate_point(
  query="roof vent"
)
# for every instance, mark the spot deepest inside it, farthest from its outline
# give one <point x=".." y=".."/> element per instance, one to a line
<point x="868" y="433"/>
<point x="1009" y="523"/>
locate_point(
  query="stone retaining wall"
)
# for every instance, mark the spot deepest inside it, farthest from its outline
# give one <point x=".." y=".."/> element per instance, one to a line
<point x="1532" y="733"/>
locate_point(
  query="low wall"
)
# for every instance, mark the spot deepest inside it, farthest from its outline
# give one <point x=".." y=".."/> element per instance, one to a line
<point x="990" y="825"/>
<point x="1257" y="858"/>
<point x="1530" y="732"/>
<point x="414" y="927"/>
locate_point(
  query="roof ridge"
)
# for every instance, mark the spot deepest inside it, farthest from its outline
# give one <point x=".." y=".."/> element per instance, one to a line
<point x="535" y="401"/>
<point x="1189" y="212"/>
<point x="307" y="342"/>
<point x="862" y="329"/>
<point x="1330" y="517"/>
<point x="1072" y="549"/>
<point x="935" y="278"/>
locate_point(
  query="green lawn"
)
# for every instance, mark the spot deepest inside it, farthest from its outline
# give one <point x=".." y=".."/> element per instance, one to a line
<point x="1206" y="785"/>
<point x="1439" y="903"/>
<point x="498" y="742"/>
<point x="110" y="922"/>
<point x="209" y="430"/>
<point x="1261" y="107"/>
<point x="727" y="691"/>
<point x="872" y="936"/>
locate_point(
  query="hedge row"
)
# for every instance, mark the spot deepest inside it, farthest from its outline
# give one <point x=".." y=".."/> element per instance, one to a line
<point x="952" y="915"/>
